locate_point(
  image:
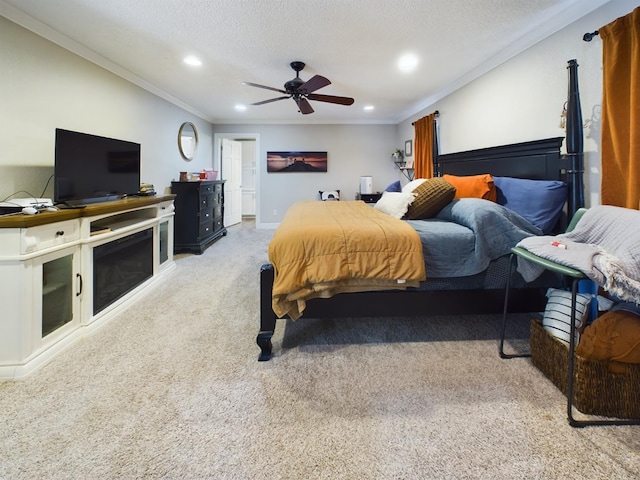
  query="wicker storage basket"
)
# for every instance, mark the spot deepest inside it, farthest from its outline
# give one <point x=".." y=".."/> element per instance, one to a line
<point x="596" y="390"/>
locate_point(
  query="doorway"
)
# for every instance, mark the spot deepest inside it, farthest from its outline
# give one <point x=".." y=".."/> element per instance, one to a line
<point x="243" y="198"/>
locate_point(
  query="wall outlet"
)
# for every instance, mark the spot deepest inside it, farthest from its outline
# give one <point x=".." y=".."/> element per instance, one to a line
<point x="275" y="213"/>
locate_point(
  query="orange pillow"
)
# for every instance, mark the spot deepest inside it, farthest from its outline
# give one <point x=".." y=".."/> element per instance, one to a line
<point x="473" y="186"/>
<point x="613" y="336"/>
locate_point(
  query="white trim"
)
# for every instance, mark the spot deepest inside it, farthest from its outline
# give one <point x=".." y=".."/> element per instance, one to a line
<point x="217" y="161"/>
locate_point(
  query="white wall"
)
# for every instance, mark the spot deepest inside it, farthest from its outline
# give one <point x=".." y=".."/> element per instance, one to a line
<point x="44" y="87"/>
<point x="522" y="99"/>
<point x="353" y="151"/>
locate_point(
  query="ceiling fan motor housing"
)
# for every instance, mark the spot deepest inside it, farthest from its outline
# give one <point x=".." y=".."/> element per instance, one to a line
<point x="292" y="85"/>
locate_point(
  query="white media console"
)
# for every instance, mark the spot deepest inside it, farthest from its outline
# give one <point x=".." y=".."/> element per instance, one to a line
<point x="65" y="273"/>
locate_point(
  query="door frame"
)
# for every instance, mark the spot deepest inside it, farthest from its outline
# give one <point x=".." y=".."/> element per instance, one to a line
<point x="217" y="161"/>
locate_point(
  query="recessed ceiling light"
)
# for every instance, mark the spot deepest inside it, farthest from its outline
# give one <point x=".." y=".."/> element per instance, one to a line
<point x="408" y="62"/>
<point x="193" y="61"/>
<point x="368" y="108"/>
<point x="240" y="108"/>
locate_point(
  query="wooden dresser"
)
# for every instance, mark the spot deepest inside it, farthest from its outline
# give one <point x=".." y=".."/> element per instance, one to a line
<point x="199" y="214"/>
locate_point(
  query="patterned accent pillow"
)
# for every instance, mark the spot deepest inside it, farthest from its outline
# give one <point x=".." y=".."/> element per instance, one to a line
<point x="432" y="195"/>
<point x="557" y="313"/>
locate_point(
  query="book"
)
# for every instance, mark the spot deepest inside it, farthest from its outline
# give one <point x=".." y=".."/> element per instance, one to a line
<point x="99" y="230"/>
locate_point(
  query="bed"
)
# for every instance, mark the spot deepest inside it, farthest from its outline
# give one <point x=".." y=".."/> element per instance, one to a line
<point x="449" y="293"/>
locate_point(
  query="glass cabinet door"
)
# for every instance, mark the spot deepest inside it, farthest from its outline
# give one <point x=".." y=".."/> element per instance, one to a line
<point x="164" y="244"/>
<point x="163" y="237"/>
<point x="57" y="294"/>
<point x="59" y="298"/>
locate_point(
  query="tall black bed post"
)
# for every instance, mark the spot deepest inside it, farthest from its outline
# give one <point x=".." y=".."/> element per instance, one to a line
<point x="575" y="147"/>
<point x="436" y="147"/>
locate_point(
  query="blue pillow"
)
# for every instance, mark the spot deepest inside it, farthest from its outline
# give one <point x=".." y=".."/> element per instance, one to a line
<point x="394" y="187"/>
<point x="539" y="201"/>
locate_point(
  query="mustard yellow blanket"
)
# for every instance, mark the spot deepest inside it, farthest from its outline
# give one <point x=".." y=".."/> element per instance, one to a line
<point x="324" y="248"/>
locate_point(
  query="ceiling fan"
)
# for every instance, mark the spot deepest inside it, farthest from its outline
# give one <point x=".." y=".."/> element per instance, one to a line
<point x="302" y="91"/>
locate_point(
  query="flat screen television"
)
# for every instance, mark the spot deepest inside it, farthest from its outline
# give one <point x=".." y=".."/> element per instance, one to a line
<point x="90" y="169"/>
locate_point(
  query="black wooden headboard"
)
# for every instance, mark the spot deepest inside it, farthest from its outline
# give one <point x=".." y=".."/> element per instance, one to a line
<point x="538" y="159"/>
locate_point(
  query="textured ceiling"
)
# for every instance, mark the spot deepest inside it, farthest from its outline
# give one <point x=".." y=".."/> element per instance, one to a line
<point x="354" y="43"/>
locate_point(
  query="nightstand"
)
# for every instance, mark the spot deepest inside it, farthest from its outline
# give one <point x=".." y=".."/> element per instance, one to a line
<point x="369" y="197"/>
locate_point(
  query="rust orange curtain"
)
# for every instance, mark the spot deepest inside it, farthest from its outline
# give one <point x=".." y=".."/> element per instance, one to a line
<point x="423" y="146"/>
<point x="621" y="111"/>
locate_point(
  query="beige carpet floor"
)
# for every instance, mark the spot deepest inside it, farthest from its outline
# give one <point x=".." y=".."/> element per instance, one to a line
<point x="171" y="389"/>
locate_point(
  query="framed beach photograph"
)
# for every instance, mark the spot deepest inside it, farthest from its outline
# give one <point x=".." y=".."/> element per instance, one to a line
<point x="310" y="162"/>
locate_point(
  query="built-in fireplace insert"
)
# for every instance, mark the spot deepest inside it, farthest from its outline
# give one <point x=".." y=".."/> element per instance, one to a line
<point x="120" y="266"/>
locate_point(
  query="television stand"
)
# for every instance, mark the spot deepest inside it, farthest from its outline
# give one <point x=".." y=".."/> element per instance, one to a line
<point x="57" y="273"/>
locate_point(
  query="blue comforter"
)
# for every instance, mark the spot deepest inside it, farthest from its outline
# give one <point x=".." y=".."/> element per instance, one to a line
<point x="467" y="234"/>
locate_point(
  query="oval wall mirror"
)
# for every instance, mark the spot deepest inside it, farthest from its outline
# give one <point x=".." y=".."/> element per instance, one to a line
<point x="187" y="140"/>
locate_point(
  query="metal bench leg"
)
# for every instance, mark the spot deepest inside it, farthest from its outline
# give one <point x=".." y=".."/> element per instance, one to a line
<point x="512" y="261"/>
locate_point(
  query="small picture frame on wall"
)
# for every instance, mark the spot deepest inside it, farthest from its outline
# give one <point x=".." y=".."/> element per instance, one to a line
<point x="408" y="148"/>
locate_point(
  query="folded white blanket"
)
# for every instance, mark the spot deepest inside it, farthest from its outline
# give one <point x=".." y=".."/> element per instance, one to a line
<point x="605" y="246"/>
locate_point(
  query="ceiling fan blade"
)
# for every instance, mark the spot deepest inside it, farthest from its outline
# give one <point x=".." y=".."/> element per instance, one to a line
<point x="303" y="105"/>
<point x="270" y="100"/>
<point x="314" y="83"/>
<point x="331" y="99"/>
<point x="249" y="84"/>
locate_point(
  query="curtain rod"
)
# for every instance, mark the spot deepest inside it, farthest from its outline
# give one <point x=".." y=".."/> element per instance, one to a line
<point x="587" y="37"/>
<point x="436" y="113"/>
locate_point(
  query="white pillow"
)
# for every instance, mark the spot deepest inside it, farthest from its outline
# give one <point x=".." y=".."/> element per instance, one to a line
<point x="395" y="204"/>
<point x="557" y="313"/>
<point x="413" y="184"/>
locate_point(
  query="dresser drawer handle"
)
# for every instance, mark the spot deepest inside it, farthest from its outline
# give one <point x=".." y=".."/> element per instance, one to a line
<point x="59" y="233"/>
